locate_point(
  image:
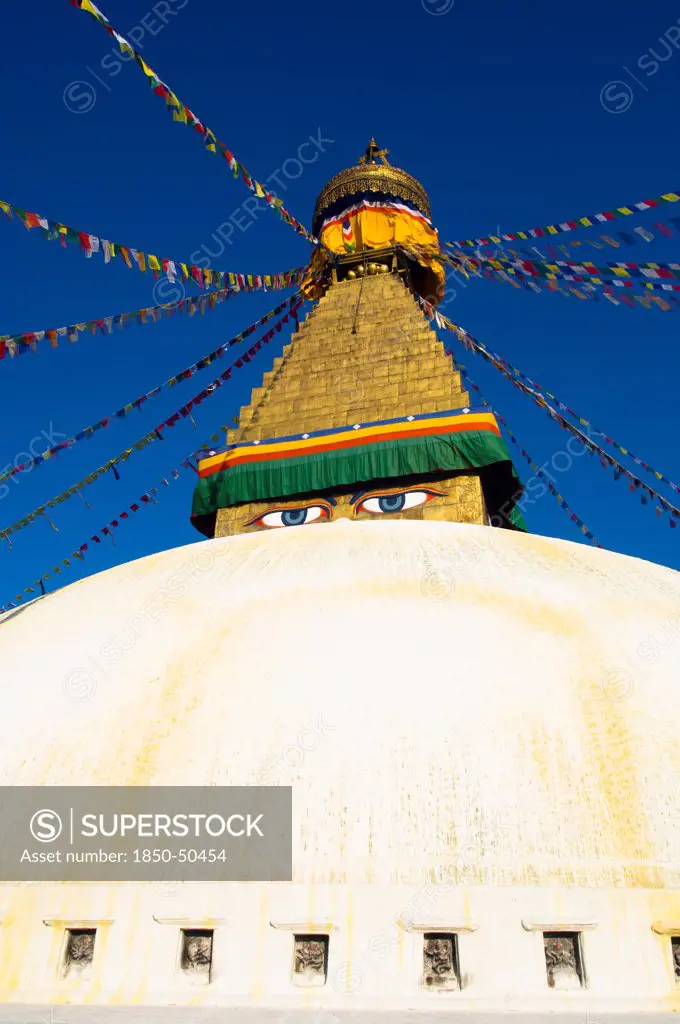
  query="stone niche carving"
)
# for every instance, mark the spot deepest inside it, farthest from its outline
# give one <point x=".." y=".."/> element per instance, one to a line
<point x="440" y="961"/>
<point x="79" y="952"/>
<point x="197" y="951"/>
<point x="563" y="960"/>
<point x="675" y="951"/>
<point x="310" y="962"/>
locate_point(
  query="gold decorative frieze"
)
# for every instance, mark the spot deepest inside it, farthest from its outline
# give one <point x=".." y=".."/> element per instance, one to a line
<point x="372" y="178"/>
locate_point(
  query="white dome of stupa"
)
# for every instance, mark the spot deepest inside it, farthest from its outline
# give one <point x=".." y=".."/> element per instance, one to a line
<point x="480" y="728"/>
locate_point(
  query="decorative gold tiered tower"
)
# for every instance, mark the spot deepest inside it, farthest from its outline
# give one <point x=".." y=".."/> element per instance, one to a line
<point x="364" y="414"/>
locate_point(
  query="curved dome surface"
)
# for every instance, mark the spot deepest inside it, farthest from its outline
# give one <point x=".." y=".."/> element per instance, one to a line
<point x="450" y="681"/>
<point x="480" y="728"/>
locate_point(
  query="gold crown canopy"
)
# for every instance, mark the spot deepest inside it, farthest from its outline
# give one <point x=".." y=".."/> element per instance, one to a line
<point x="370" y="176"/>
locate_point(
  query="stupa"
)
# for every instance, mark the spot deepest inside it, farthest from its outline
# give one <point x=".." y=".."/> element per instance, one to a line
<point x="365" y="394"/>
<point x="479" y="725"/>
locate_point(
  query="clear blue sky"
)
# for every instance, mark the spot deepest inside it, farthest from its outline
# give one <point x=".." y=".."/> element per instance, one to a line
<point x="495" y="107"/>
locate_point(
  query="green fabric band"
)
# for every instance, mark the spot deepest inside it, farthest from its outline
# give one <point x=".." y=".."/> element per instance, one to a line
<point x="383" y="460"/>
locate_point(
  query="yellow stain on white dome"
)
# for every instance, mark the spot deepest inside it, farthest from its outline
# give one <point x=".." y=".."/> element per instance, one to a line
<point x="447" y="701"/>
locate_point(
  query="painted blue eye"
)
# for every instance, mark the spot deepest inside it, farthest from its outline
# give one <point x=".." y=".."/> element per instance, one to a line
<point x="386" y="503"/>
<point x="392" y="502"/>
<point x="292" y="516"/>
<point x="296" y="517"/>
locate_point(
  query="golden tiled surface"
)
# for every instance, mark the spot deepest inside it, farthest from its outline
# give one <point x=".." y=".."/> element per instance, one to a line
<point x="461" y="502"/>
<point x="365" y="353"/>
<point x="394" y="365"/>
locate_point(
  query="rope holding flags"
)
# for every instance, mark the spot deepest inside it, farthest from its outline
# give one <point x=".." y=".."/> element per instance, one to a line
<point x="607" y="461"/>
<point x="494" y="356"/>
<point x="534" y="275"/>
<point x="174" y="270"/>
<point x="18" y="344"/>
<point x="185" y="116"/>
<point x="570" y="225"/>
<point x="588" y="288"/>
<point x="587" y="275"/>
<point x="536" y="468"/>
<point x="148" y="438"/>
<point x="149" y="496"/>
<point x="122" y="413"/>
<point x="659" y="275"/>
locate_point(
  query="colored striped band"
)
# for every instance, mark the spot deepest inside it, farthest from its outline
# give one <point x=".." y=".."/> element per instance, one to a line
<point x="348" y="437"/>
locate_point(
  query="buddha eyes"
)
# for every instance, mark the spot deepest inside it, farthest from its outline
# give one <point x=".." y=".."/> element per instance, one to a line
<point x="376" y="504"/>
<point x="291" y="516"/>
<point x="383" y="504"/>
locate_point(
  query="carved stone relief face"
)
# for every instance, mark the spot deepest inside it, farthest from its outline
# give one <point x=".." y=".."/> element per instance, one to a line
<point x="439" y="966"/>
<point x="79" y="951"/>
<point x="197" y="951"/>
<point x="310" y="956"/>
<point x="561" y="960"/>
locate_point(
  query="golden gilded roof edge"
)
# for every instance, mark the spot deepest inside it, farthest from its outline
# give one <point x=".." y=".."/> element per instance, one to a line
<point x="372" y="178"/>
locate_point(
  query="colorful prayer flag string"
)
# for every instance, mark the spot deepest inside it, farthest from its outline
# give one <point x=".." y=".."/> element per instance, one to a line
<point x="185" y="116"/>
<point x="588" y="288"/>
<point x="149" y="497"/>
<point x="18" y="344"/>
<point x="570" y="225"/>
<point x="122" y="413"/>
<point x="586" y="273"/>
<point x="471" y="343"/>
<point x="534" y="466"/>
<point x="152" y="435"/>
<point x="174" y="270"/>
<point x="666" y="273"/>
<point x="531" y="274"/>
<point x="494" y="356"/>
<point x="638" y="236"/>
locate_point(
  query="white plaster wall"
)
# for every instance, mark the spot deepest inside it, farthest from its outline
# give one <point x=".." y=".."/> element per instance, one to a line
<point x="449" y="702"/>
<point x="374" y="961"/>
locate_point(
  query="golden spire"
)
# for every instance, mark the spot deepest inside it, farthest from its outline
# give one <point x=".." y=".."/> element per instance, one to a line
<point x="372" y="152"/>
